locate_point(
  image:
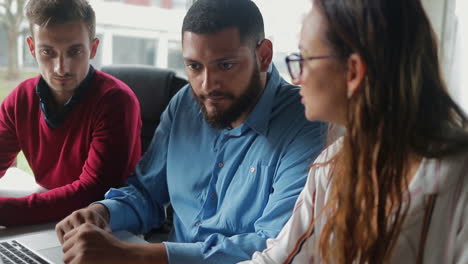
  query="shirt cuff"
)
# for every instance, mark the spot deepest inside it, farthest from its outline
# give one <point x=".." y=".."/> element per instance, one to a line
<point x="184" y="252"/>
<point x="120" y="215"/>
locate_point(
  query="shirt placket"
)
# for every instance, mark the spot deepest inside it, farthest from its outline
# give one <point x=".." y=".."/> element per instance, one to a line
<point x="210" y="204"/>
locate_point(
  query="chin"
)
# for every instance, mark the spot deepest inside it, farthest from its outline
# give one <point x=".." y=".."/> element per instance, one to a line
<point x="308" y="114"/>
<point x="212" y="109"/>
<point x="311" y="116"/>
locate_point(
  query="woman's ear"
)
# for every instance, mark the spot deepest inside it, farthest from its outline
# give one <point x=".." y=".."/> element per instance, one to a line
<point x="356" y="73"/>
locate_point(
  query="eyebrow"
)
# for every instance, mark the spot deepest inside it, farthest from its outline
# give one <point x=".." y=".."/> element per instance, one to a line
<point x="71" y="47"/>
<point x="227" y="58"/>
<point x="76" y="46"/>
<point x="234" y="57"/>
<point x="44" y="46"/>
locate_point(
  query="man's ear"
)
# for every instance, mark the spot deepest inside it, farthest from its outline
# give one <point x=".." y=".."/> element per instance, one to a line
<point x="356" y="73"/>
<point x="31" y="46"/>
<point x="94" y="47"/>
<point x="264" y="54"/>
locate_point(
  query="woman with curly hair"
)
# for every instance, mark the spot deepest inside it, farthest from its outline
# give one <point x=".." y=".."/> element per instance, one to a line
<point x="394" y="188"/>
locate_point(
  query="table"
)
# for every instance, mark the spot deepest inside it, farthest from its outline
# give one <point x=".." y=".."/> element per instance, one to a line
<point x="39" y="237"/>
<point x="17" y="183"/>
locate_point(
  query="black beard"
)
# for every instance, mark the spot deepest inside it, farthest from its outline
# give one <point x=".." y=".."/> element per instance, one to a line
<point x="242" y="104"/>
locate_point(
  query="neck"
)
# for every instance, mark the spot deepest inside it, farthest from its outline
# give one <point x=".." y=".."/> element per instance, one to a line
<point x="60" y="98"/>
<point x="245" y="115"/>
<point x="241" y="119"/>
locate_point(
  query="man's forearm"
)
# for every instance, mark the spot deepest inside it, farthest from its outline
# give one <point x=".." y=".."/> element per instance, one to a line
<point x="149" y="253"/>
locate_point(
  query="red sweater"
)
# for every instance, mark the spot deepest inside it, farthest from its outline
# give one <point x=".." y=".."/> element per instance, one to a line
<point x="95" y="148"/>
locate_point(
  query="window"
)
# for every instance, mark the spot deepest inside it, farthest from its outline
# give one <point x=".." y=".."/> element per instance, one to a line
<point x="451" y="24"/>
<point x="97" y="61"/>
<point x="180" y="4"/>
<point x="3" y="51"/>
<point x="128" y="50"/>
<point x="282" y="26"/>
<point x="148" y="32"/>
<point x="175" y="60"/>
<point x="28" y="59"/>
<point x="458" y="80"/>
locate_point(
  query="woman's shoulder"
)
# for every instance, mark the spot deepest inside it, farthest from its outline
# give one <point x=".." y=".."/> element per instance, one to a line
<point x="321" y="166"/>
<point x="328" y="153"/>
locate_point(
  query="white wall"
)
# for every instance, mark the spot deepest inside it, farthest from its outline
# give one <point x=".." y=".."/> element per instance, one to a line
<point x="451" y="26"/>
<point x="435" y="10"/>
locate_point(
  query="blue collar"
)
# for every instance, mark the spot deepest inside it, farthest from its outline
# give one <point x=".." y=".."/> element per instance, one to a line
<point x="54" y="120"/>
<point x="259" y="118"/>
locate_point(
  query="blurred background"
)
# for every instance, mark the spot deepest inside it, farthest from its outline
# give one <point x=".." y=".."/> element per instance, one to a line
<point x="148" y="32"/>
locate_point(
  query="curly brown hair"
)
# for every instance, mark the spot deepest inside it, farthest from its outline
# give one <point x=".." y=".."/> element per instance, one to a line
<point x="402" y="109"/>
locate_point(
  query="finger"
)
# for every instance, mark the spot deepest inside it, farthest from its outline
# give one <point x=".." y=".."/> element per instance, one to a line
<point x="77" y="218"/>
<point x="68" y="236"/>
<point x="59" y="232"/>
<point x="107" y="228"/>
<point x="93" y="218"/>
<point x="68" y="257"/>
<point x="62" y="228"/>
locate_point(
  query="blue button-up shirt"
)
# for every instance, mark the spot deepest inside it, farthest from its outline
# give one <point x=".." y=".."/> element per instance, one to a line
<point x="230" y="189"/>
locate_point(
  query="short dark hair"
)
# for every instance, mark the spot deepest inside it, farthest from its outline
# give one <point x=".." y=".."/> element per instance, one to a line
<point x="46" y="12"/>
<point x="213" y="16"/>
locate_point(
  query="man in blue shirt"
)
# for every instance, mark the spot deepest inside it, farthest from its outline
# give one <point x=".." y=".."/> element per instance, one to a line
<point x="231" y="154"/>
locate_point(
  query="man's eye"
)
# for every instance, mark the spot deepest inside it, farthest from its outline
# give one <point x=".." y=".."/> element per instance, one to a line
<point x="75" y="52"/>
<point x="193" y="66"/>
<point x="225" y="66"/>
<point x="46" y="52"/>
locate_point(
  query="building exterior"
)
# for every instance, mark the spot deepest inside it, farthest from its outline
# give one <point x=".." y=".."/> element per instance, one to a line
<point x="148" y="32"/>
<point x="130" y="32"/>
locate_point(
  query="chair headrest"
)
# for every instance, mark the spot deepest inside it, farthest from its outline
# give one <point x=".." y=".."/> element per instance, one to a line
<point x="154" y="88"/>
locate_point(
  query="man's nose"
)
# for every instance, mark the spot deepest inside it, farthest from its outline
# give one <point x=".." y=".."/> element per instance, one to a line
<point x="61" y="65"/>
<point x="210" y="81"/>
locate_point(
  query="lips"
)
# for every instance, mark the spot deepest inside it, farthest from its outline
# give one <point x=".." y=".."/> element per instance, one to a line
<point x="216" y="98"/>
<point x="62" y="79"/>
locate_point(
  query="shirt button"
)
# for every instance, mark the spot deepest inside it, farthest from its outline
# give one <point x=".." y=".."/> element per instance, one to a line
<point x="252" y="170"/>
<point x="213" y="196"/>
<point x="220" y="164"/>
<point x="198" y="224"/>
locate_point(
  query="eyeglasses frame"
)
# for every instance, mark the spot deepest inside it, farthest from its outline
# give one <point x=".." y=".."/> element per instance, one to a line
<point x="301" y="59"/>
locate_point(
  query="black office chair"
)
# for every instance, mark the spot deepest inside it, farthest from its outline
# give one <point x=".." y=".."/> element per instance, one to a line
<point x="154" y="88"/>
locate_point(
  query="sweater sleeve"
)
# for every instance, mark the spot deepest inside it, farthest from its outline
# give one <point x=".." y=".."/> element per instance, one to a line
<point x="114" y="151"/>
<point x="9" y="146"/>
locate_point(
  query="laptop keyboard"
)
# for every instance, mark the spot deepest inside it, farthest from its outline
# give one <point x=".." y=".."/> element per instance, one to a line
<point x="12" y="252"/>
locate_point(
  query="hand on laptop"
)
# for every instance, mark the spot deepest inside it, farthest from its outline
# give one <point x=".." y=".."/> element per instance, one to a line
<point x="91" y="244"/>
<point x="95" y="214"/>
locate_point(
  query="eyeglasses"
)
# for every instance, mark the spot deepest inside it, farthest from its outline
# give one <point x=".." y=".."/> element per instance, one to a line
<point x="295" y="62"/>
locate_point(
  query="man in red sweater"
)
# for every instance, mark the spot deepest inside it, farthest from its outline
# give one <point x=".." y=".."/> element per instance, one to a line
<point x="79" y="128"/>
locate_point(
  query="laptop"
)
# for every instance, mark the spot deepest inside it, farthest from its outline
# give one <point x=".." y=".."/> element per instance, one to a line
<point x="14" y="252"/>
<point x="41" y="246"/>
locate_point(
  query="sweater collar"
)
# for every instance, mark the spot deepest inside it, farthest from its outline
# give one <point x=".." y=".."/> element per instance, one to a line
<point x="54" y="120"/>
